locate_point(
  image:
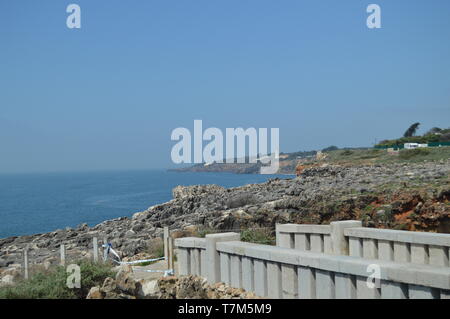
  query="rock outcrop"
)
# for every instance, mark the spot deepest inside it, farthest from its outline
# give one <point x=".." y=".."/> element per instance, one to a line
<point x="192" y="287"/>
<point x="183" y="287"/>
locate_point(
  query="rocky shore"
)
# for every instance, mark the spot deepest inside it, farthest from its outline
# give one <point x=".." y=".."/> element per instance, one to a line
<point x="401" y="196"/>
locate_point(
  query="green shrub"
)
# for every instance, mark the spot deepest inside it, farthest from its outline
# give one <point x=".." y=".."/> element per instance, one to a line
<point x="347" y="153"/>
<point x="408" y="154"/>
<point x="93" y="274"/>
<point x="258" y="236"/>
<point x="53" y="284"/>
<point x="156" y="248"/>
<point x="202" y="231"/>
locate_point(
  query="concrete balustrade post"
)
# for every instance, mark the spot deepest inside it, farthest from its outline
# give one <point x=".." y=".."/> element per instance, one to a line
<point x="285" y="240"/>
<point x="274" y="280"/>
<point x="203" y="263"/>
<point x="402" y="252"/>
<point x="289" y="281"/>
<point x="325" y="288"/>
<point x="302" y="242"/>
<point x="236" y="271"/>
<point x="363" y="291"/>
<point x="184" y="262"/>
<point x="212" y="255"/>
<point x="339" y="243"/>
<point x="195" y="262"/>
<point x="370" y="250"/>
<point x="393" y="290"/>
<point x="345" y="286"/>
<point x="419" y="254"/>
<point x="385" y="250"/>
<point x="438" y="256"/>
<point x="306" y="282"/>
<point x="316" y="241"/>
<point x="421" y="292"/>
<point x="248" y="274"/>
<point x="225" y="268"/>
<point x="260" y="268"/>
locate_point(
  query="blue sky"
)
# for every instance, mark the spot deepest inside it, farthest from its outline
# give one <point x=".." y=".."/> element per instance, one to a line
<point x="108" y="95"/>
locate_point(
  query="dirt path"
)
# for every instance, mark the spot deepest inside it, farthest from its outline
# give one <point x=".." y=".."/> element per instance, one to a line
<point x="141" y="273"/>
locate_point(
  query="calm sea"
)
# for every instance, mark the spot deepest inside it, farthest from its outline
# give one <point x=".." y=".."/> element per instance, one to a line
<point x="38" y="203"/>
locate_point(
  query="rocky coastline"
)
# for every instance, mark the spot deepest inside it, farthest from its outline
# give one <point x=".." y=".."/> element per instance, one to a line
<point x="412" y="196"/>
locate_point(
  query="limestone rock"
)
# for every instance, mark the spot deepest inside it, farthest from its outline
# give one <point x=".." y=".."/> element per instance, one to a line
<point x="125" y="281"/>
<point x="95" y="293"/>
<point x="148" y="289"/>
<point x="7" y="280"/>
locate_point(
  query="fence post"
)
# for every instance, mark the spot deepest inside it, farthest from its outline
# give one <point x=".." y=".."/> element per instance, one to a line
<point x="105" y="249"/>
<point x="338" y="240"/>
<point x="25" y="263"/>
<point x="170" y="262"/>
<point x="63" y="254"/>
<point x="95" y="247"/>
<point x="212" y="255"/>
<point x="166" y="245"/>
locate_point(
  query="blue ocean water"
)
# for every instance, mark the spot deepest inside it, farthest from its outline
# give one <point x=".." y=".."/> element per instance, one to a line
<point x="38" y="203"/>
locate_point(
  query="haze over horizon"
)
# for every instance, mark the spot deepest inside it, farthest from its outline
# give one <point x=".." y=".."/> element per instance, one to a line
<point x="107" y="96"/>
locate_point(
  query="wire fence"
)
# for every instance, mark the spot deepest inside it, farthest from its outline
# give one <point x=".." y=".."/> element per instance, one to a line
<point x="35" y="259"/>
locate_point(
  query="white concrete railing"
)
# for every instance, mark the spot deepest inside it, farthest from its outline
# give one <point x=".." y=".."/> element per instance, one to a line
<point x="350" y="239"/>
<point x="192" y="256"/>
<point x="277" y="272"/>
<point x="327" y="239"/>
<point x="397" y="245"/>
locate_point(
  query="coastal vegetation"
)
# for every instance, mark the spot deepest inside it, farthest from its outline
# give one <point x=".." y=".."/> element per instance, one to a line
<point x="260" y="235"/>
<point x="263" y="236"/>
<point x="434" y="135"/>
<point x="51" y="284"/>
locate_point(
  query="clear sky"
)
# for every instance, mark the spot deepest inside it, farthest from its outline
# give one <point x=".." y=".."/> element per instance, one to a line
<point x="108" y="95"/>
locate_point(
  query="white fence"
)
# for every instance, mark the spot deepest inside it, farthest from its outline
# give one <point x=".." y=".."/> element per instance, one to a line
<point x="350" y="239"/>
<point x="316" y="264"/>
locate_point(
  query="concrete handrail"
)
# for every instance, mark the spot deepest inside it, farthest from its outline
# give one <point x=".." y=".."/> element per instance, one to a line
<point x="191" y="242"/>
<point x="424" y="275"/>
<point x="350" y="238"/>
<point x="328" y="239"/>
<point x="278" y="272"/>
<point x="399" y="236"/>
<point x="303" y="229"/>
